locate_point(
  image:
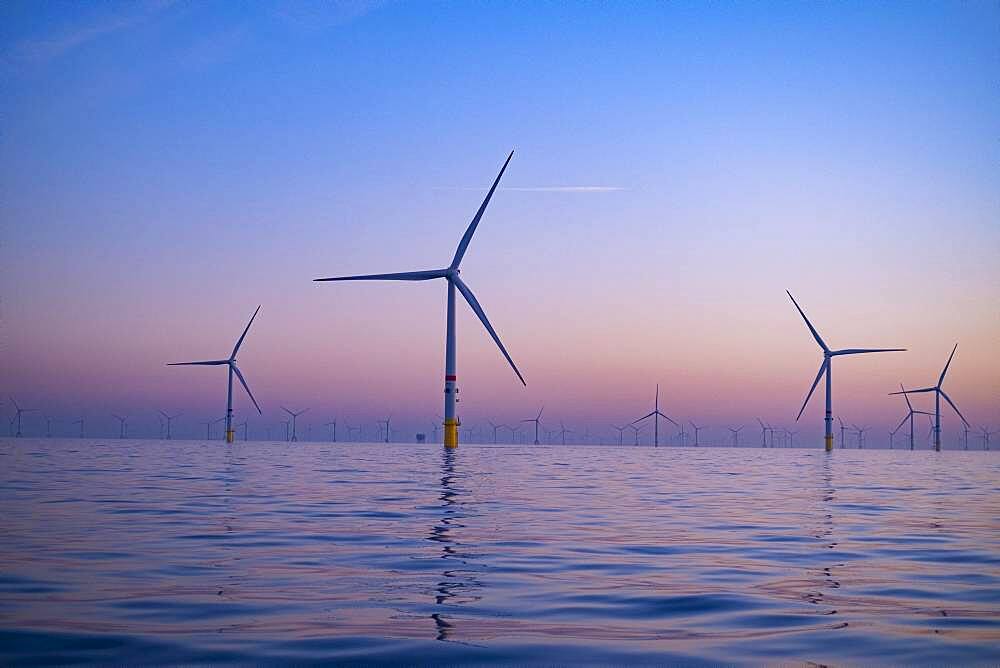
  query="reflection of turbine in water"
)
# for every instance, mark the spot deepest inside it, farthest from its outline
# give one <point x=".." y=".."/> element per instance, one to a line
<point x="458" y="584"/>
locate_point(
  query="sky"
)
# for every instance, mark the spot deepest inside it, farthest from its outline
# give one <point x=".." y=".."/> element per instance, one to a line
<point x="165" y="167"/>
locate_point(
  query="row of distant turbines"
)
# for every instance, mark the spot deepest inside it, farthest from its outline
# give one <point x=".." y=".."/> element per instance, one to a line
<point x="451" y="424"/>
<point x="528" y="430"/>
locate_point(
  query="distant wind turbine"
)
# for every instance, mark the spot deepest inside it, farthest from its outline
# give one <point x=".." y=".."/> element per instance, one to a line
<point x="80" y="422"/>
<point x="452" y="275"/>
<point x="656" y="415"/>
<point x="620" y="431"/>
<point x="333" y="425"/>
<point x="246" y="429"/>
<point x="537" y="420"/>
<point x="386" y="422"/>
<point x="910" y="412"/>
<point x="763" y="433"/>
<point x="987" y="433"/>
<point x="231" y="363"/>
<point x="294" y="418"/>
<point x="938" y="393"/>
<point x="563" y="431"/>
<point x="736" y="435"/>
<point x="697" y="429"/>
<point x="825" y="368"/>
<point x="19" y="412"/>
<point x="636" y="430"/>
<point x="123" y="426"/>
<point x="169" y="419"/>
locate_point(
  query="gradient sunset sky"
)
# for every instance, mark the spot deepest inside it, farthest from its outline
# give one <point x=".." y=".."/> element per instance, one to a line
<point x="165" y="167"/>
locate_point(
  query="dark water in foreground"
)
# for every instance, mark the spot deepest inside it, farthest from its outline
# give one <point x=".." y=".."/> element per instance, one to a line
<point x="148" y="551"/>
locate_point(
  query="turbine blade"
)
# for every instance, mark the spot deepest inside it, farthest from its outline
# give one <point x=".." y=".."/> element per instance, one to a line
<point x="244" y="335"/>
<point x="205" y="363"/>
<point x="901" y="422"/>
<point x="399" y="276"/>
<point x="822" y="368"/>
<point x="923" y="389"/>
<point x="467" y="237"/>
<point x="941" y="379"/>
<point x="808" y="324"/>
<point x="952" y="404"/>
<point x="667" y="418"/>
<point x="539" y="416"/>
<point x="906" y="396"/>
<point x="644" y="417"/>
<point x="474" y="303"/>
<point x="246" y="387"/>
<point x="857" y="351"/>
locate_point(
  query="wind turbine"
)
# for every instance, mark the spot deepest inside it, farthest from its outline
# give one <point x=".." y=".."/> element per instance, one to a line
<point x="495" y="426"/>
<point x="636" y="430"/>
<point x="938" y="393"/>
<point x="123" y="426"/>
<point x="563" y="431"/>
<point x="48" y="427"/>
<point x="294" y="417"/>
<point x="80" y="422"/>
<point x="682" y="435"/>
<point x="620" y="431"/>
<point x="537" y="419"/>
<point x="861" y="435"/>
<point x="20" y="411"/>
<point x="246" y="428"/>
<point x="169" y="418"/>
<point x="763" y="433"/>
<point x="231" y="363"/>
<point x="386" y="423"/>
<point x="791" y="438"/>
<point x="910" y="412"/>
<point x="452" y="275"/>
<point x="656" y="415"/>
<point x="986" y="436"/>
<point x="843" y="429"/>
<point x="696" y="430"/>
<point x="736" y="435"/>
<point x="825" y="368"/>
<point x="333" y="423"/>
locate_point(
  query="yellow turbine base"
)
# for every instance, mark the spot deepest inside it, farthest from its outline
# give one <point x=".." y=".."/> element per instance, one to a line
<point x="451" y="433"/>
<point x="230" y="436"/>
<point x="829" y="443"/>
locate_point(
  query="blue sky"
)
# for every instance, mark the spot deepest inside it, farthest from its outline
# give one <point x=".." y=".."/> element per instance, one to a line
<point x="166" y="166"/>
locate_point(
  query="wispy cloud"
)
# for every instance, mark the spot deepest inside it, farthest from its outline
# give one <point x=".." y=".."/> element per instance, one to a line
<point x="40" y="50"/>
<point x="548" y="189"/>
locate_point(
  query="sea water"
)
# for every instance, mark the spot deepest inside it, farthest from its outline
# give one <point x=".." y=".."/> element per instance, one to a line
<point x="201" y="552"/>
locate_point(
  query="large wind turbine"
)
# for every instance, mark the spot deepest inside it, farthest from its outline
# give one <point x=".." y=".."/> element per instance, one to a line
<point x="825" y="368"/>
<point x="20" y="411"/>
<point x="294" y="417"/>
<point x="536" y="420"/>
<point x="231" y="363"/>
<point x="451" y="275"/>
<point x="938" y="393"/>
<point x="656" y="415"/>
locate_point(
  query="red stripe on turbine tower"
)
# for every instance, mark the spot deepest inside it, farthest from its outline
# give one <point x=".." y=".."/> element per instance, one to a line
<point x="451" y="377"/>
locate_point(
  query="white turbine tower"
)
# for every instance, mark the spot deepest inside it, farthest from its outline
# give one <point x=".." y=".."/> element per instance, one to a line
<point x="938" y="393"/>
<point x="231" y="363"/>
<point x="452" y="275"/>
<point x="825" y="368"/>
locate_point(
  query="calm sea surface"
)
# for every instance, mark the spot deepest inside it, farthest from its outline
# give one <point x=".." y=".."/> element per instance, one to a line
<point x="195" y="552"/>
